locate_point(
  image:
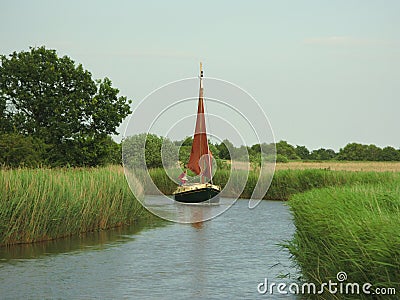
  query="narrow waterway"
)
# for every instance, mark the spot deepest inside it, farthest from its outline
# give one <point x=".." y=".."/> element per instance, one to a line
<point x="225" y="258"/>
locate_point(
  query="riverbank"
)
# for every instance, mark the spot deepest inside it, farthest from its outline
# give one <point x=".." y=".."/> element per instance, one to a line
<point x="351" y="229"/>
<point x="285" y="183"/>
<point x="45" y="204"/>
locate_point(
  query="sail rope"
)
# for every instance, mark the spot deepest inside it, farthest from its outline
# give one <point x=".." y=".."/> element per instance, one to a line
<point x="208" y="146"/>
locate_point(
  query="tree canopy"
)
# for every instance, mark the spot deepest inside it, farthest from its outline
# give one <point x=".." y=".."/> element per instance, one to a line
<point x="51" y="98"/>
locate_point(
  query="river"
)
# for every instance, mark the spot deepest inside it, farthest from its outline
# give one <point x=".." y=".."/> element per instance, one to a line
<point x="224" y="258"/>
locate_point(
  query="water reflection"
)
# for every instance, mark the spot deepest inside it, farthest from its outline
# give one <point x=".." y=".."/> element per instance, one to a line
<point x="186" y="213"/>
<point x="93" y="241"/>
<point x="224" y="258"/>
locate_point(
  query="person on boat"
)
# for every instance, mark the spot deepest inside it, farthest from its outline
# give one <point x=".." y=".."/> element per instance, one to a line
<point x="183" y="177"/>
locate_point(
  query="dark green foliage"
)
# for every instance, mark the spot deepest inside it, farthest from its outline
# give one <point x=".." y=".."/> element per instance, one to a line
<point x="17" y="150"/>
<point x="52" y="99"/>
<point x="286" y="150"/>
<point x="281" y="158"/>
<point x="322" y="154"/>
<point x="184" y="154"/>
<point x="185" y="142"/>
<point x="302" y="152"/>
<point x="87" y="151"/>
<point x="224" y="147"/>
<point x="355" y="151"/>
<point x="152" y="156"/>
<point x="390" y="154"/>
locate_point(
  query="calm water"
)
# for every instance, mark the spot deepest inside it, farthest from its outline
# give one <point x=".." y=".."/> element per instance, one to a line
<point x="225" y="258"/>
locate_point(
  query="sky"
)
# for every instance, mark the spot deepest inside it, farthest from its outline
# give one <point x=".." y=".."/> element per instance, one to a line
<point x="326" y="73"/>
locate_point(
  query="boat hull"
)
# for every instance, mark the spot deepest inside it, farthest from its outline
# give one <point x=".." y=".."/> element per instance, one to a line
<point x="201" y="193"/>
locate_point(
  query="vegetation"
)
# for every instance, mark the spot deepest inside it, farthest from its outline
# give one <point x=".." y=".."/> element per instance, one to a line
<point x="360" y="166"/>
<point x="180" y="150"/>
<point x="352" y="229"/>
<point x="49" y="102"/>
<point x="285" y="183"/>
<point x="43" y="204"/>
<point x="149" y="151"/>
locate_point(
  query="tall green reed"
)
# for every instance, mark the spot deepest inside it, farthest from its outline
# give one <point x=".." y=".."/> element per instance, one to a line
<point x="352" y="229"/>
<point x="284" y="183"/>
<point x="42" y="204"/>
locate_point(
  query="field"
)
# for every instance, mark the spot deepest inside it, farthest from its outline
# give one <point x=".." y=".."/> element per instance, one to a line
<point x="363" y="166"/>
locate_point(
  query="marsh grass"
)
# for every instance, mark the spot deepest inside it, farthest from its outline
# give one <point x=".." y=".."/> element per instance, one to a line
<point x="353" y="229"/>
<point x="44" y="204"/>
<point x="284" y="183"/>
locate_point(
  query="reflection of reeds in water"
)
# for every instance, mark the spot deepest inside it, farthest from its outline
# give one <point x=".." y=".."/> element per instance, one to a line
<point x="85" y="241"/>
<point x="351" y="229"/>
<point x="42" y="204"/>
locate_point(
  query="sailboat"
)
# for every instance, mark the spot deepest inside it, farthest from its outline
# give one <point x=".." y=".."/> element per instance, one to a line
<point x="200" y="162"/>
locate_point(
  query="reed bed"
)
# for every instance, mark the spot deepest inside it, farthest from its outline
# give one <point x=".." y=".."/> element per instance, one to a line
<point x="352" y="229"/>
<point x="285" y="183"/>
<point x="44" y="204"/>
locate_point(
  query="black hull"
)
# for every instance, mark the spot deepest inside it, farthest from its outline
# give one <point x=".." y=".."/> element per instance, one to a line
<point x="198" y="196"/>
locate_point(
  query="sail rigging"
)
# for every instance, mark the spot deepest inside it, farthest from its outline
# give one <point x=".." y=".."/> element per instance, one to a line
<point x="200" y="155"/>
<point x="200" y="163"/>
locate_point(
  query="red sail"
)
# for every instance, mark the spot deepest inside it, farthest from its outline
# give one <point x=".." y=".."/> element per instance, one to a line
<point x="197" y="162"/>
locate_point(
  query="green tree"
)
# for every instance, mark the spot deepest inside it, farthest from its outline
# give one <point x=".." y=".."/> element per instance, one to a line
<point x="302" y="152"/>
<point x="17" y="150"/>
<point x="184" y="154"/>
<point x="287" y="150"/>
<point x="390" y="154"/>
<point x="322" y="154"/>
<point x="157" y="150"/>
<point x="187" y="141"/>
<point x="53" y="99"/>
<point x="355" y="151"/>
<point x="224" y="149"/>
<point x="352" y="151"/>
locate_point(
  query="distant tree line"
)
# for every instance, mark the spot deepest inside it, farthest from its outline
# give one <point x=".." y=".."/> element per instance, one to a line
<point x="351" y="152"/>
<point x="53" y="113"/>
<point x="225" y="150"/>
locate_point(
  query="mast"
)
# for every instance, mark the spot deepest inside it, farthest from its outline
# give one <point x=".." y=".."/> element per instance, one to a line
<point x="200" y="141"/>
<point x="201" y="98"/>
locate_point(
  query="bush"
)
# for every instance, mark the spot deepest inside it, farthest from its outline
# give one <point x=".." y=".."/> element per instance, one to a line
<point x="281" y="158"/>
<point x="17" y="150"/>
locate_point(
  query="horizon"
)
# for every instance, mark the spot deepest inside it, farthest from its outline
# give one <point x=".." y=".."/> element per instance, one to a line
<point x="324" y="72"/>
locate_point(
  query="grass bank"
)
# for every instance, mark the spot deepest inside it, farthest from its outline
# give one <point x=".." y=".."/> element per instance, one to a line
<point x="44" y="204"/>
<point x="352" y="229"/>
<point x="285" y="183"/>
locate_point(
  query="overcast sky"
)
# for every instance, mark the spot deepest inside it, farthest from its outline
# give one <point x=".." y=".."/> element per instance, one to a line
<point x="325" y="72"/>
